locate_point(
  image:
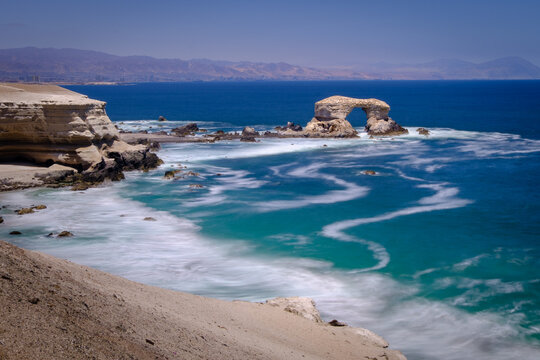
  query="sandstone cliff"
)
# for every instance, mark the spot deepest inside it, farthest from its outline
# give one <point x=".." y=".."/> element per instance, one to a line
<point x="47" y="124"/>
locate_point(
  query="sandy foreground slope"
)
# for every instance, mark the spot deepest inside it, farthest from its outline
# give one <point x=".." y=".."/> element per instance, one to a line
<point x="54" y="309"/>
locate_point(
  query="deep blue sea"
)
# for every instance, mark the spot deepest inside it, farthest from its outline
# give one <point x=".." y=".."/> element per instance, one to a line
<point x="439" y="252"/>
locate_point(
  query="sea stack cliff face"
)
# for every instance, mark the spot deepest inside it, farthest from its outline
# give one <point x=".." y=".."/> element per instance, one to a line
<point x="330" y="118"/>
<point x="47" y="124"/>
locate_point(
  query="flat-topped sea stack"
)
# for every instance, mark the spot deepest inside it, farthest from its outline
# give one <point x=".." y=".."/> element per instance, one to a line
<point x="47" y="124"/>
<point x="330" y="118"/>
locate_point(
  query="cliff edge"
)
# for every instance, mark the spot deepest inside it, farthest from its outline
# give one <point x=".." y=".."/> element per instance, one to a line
<point x="47" y="124"/>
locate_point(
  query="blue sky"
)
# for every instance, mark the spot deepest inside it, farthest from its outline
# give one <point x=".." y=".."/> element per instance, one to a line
<point x="317" y="33"/>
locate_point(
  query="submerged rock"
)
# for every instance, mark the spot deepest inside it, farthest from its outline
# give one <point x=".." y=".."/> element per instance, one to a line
<point x="15" y="233"/>
<point x="162" y="118"/>
<point x="149" y="218"/>
<point x="423" y="131"/>
<point x="369" y="172"/>
<point x="65" y="234"/>
<point x="24" y="211"/>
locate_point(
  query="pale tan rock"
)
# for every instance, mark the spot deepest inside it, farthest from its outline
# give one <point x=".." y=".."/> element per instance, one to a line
<point x="330" y="118"/>
<point x="47" y="124"/>
<point x="302" y="306"/>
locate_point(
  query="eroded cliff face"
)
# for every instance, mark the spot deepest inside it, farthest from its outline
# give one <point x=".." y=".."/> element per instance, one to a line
<point x="330" y="118"/>
<point x="48" y="124"/>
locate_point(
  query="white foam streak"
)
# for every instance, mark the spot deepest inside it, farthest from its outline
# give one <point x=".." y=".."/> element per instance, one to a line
<point x="351" y="191"/>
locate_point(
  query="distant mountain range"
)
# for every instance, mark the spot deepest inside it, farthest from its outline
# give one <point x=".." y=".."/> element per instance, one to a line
<point x="84" y="66"/>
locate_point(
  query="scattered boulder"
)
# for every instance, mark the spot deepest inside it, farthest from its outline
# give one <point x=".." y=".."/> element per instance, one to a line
<point x="15" y="233"/>
<point x="162" y="118"/>
<point x="196" y="186"/>
<point x="249" y="134"/>
<point x="65" y="234"/>
<point x="185" y="130"/>
<point x="336" y="323"/>
<point x="249" y="131"/>
<point x="149" y="218"/>
<point x="290" y="126"/>
<point x="302" y="306"/>
<point x="192" y="173"/>
<point x="423" y="131"/>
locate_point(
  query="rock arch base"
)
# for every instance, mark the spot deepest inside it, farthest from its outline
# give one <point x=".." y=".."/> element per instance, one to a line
<point x="330" y="118"/>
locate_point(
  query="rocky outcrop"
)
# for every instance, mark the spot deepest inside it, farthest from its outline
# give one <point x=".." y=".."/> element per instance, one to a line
<point x="47" y="124"/>
<point x="305" y="307"/>
<point x="302" y="306"/>
<point x="330" y="118"/>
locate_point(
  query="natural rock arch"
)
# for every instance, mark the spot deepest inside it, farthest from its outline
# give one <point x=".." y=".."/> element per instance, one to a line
<point x="330" y="119"/>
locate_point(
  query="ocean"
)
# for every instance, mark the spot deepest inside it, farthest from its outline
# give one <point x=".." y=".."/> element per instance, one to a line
<point x="438" y="252"/>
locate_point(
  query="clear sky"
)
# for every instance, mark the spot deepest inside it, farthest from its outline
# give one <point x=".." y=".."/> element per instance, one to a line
<point x="317" y="33"/>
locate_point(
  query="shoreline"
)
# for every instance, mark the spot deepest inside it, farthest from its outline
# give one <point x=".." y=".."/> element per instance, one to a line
<point x="61" y="310"/>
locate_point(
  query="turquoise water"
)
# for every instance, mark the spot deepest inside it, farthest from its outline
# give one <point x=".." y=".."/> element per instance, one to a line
<point x="438" y="252"/>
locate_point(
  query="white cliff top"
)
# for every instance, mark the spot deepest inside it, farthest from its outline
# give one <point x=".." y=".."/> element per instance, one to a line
<point x="39" y="93"/>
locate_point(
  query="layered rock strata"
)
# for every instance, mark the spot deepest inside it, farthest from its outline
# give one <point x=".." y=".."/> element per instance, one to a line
<point x="330" y="118"/>
<point x="47" y="124"/>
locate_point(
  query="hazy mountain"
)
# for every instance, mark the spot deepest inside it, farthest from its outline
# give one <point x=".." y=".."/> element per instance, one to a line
<point x="71" y="65"/>
<point x="454" y="69"/>
<point x="83" y="66"/>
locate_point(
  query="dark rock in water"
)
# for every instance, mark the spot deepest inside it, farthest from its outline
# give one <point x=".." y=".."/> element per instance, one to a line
<point x="170" y="174"/>
<point x="50" y="234"/>
<point x="336" y="323"/>
<point x="220" y="132"/>
<point x="248" y="139"/>
<point x="188" y="129"/>
<point x="162" y="118"/>
<point x="148" y="218"/>
<point x="369" y="172"/>
<point x="192" y="173"/>
<point x="24" y="211"/>
<point x="423" y="131"/>
<point x="1" y="219"/>
<point x="15" y="233"/>
<point x="65" y="234"/>
<point x="39" y="207"/>
<point x="196" y="186"/>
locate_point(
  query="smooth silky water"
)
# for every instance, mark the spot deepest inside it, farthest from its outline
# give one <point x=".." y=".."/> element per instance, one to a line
<point x="438" y="252"/>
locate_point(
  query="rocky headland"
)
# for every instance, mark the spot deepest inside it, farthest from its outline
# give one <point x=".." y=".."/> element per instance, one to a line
<point x="44" y="125"/>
